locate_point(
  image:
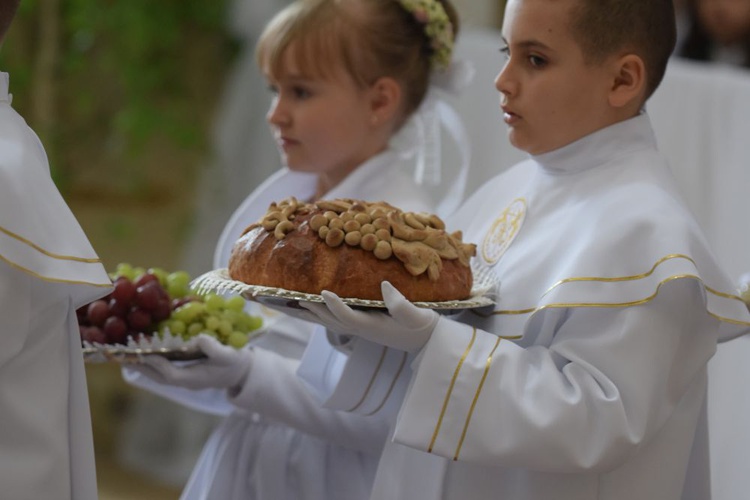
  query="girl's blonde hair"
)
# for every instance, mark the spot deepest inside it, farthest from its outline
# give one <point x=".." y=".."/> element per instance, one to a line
<point x="368" y="39"/>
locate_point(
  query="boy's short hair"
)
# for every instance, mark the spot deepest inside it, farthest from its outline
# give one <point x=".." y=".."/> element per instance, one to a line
<point x="646" y="28"/>
<point x="8" y="10"/>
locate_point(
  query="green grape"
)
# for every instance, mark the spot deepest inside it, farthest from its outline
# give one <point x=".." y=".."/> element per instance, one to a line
<point x="126" y="270"/>
<point x="159" y="273"/>
<point x="177" y="291"/>
<point x="212" y="323"/>
<point x="189" y="312"/>
<point x="252" y="322"/>
<point x="181" y="313"/>
<point x="225" y="328"/>
<point x="193" y="329"/>
<point x="178" y="284"/>
<point x="235" y="303"/>
<point x="222" y="317"/>
<point x="177" y="327"/>
<point x="233" y="317"/>
<point x="237" y="339"/>
<point x="214" y="303"/>
<point x="243" y="325"/>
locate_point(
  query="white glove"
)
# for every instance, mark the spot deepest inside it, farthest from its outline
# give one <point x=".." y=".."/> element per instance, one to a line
<point x="224" y="367"/>
<point x="406" y="327"/>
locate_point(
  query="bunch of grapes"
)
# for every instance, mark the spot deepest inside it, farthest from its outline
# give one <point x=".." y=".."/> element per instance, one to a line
<point x="146" y="302"/>
<point x="223" y="318"/>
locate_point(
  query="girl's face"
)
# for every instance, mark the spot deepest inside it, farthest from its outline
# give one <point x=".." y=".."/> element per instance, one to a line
<point x="549" y="95"/>
<point x="726" y="21"/>
<point x="321" y="125"/>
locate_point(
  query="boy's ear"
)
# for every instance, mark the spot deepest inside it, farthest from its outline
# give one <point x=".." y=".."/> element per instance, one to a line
<point x="385" y="101"/>
<point x="629" y="81"/>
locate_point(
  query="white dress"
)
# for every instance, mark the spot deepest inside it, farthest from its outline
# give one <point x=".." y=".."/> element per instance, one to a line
<point x="47" y="270"/>
<point x="589" y="379"/>
<point x="276" y="442"/>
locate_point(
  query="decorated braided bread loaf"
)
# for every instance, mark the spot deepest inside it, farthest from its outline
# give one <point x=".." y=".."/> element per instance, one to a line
<point x="349" y="247"/>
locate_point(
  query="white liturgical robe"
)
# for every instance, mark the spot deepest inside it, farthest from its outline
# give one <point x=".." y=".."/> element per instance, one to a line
<point x="277" y="442"/>
<point x="588" y="380"/>
<point x="47" y="270"/>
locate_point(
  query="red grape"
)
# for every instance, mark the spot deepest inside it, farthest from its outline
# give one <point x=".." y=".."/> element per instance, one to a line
<point x="162" y="310"/>
<point x="93" y="334"/>
<point x="139" y="320"/>
<point x="98" y="312"/>
<point x="124" y="290"/>
<point x="81" y="315"/>
<point x="119" y="308"/>
<point x="145" y="278"/>
<point x="147" y="296"/>
<point x="116" y="330"/>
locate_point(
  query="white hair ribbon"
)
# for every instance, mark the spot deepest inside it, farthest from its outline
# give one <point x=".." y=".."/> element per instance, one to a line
<point x="421" y="136"/>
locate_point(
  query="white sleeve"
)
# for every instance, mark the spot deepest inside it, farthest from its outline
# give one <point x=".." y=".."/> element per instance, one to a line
<point x="211" y="401"/>
<point x="364" y="377"/>
<point x="585" y="398"/>
<point x="15" y="311"/>
<point x="286" y="335"/>
<point x="274" y="390"/>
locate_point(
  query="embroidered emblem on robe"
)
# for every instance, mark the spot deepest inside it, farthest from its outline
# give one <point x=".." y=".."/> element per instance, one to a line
<point x="503" y="231"/>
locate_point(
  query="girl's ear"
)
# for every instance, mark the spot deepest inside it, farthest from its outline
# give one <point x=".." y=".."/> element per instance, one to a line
<point x="385" y="100"/>
<point x="629" y="84"/>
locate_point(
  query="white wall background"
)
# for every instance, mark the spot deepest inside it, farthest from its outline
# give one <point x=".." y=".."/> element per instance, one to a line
<point x="479" y="13"/>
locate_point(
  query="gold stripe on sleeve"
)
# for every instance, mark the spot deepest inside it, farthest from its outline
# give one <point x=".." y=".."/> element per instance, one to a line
<point x="621" y="278"/>
<point x="54" y="280"/>
<point x="476" y="397"/>
<point x="372" y="380"/>
<point x="393" y="384"/>
<point x="722" y="294"/>
<point x="450" y="390"/>
<point x="46" y="252"/>
<point x="633" y="303"/>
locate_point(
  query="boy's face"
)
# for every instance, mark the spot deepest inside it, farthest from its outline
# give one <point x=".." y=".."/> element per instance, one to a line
<point x="550" y="97"/>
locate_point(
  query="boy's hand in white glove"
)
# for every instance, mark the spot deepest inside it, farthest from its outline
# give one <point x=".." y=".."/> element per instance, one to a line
<point x="406" y="327"/>
<point x="224" y="367"/>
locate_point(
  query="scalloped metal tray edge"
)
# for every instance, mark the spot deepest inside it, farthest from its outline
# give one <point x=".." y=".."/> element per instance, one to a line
<point x="219" y="280"/>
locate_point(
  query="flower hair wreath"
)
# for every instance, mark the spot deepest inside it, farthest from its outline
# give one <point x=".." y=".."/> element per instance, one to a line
<point x="437" y="27"/>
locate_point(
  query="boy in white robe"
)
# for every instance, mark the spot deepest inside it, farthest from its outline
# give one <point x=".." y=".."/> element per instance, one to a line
<point x="47" y="270"/>
<point x="588" y="380"/>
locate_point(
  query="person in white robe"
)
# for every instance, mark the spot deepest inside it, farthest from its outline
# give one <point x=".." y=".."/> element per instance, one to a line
<point x="708" y="150"/>
<point x="277" y="442"/>
<point x="47" y="270"/>
<point x="269" y="427"/>
<point x="588" y="379"/>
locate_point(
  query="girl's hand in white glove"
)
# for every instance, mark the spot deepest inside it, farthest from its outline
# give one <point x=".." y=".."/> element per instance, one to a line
<point x="406" y="327"/>
<point x="224" y="367"/>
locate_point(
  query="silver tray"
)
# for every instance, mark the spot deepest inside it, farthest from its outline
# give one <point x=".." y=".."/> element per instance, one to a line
<point x="166" y="345"/>
<point x="219" y="281"/>
<point x="135" y="355"/>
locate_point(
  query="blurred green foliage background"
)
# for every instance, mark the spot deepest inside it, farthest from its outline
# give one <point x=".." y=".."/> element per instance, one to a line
<point x="121" y="93"/>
